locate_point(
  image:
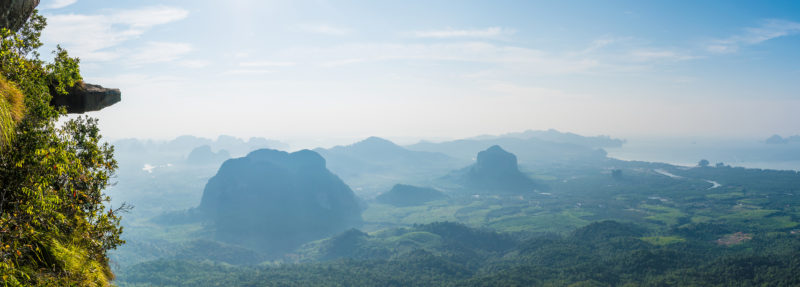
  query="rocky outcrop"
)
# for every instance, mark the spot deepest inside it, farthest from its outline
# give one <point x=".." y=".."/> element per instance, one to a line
<point x="82" y="97"/>
<point x="274" y="201"/>
<point x="86" y="98"/>
<point x="495" y="171"/>
<point x="14" y="13"/>
<point x="495" y="162"/>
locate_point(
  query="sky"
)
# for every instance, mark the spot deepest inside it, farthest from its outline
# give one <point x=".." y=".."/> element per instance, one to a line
<point x="328" y="71"/>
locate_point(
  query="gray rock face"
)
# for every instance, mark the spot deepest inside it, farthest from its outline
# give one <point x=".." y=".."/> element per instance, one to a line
<point x="496" y="171"/>
<point x="86" y="98"/>
<point x="14" y="13"/>
<point x="496" y="161"/>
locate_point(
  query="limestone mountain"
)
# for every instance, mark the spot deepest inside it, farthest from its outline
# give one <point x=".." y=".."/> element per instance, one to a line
<point x="495" y="171"/>
<point x="204" y="155"/>
<point x="274" y="201"/>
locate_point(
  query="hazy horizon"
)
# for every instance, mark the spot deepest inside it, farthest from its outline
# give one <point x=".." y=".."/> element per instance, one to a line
<point x="311" y="142"/>
<point x="680" y="151"/>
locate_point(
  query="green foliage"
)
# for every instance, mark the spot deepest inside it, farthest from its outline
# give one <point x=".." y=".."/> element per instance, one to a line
<point x="21" y="65"/>
<point x="11" y="110"/>
<point x="55" y="227"/>
<point x="603" y="253"/>
<point x="409" y="195"/>
<point x="663" y="240"/>
<point x="663" y="214"/>
<point x="64" y="72"/>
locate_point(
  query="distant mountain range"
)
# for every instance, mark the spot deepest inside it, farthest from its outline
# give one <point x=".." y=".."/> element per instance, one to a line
<point x="777" y="139"/>
<point x="552" y="135"/>
<point x="530" y="151"/>
<point x="374" y="165"/>
<point x="184" y="144"/>
<point x="203" y="155"/>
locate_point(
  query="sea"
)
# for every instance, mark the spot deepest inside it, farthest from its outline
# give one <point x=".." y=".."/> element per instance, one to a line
<point x="749" y="153"/>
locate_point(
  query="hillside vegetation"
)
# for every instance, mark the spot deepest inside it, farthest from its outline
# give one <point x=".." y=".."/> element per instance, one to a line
<point x="55" y="225"/>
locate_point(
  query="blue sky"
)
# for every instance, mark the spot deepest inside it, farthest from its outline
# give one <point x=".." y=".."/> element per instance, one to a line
<point x="341" y="70"/>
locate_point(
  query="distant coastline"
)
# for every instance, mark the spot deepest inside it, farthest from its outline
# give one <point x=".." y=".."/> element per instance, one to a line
<point x="748" y="154"/>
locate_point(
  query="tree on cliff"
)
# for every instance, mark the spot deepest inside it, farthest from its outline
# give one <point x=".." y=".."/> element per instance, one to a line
<point x="55" y="227"/>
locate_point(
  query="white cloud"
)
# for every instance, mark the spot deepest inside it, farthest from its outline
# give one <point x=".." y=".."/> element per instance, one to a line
<point x="490" y="32"/>
<point x="343" y="62"/>
<point x="248" y="72"/>
<point x="720" y="48"/>
<point x="241" y="55"/>
<point x="525" y="91"/>
<point x="90" y="37"/>
<point x="194" y="64"/>
<point x="326" y="30"/>
<point x="519" y="58"/>
<point x="159" y="52"/>
<point x="599" y="44"/>
<point x="489" y="60"/>
<point x="658" y="55"/>
<point x="147" y="17"/>
<point x="769" y="29"/>
<point x="55" y="4"/>
<point x="266" y="64"/>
